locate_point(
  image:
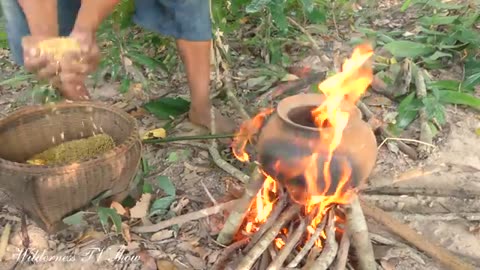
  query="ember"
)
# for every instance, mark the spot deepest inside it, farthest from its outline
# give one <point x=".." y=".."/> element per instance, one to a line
<point x="313" y="151"/>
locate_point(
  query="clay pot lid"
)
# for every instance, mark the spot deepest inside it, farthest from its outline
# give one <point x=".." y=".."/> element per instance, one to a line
<point x="286" y="105"/>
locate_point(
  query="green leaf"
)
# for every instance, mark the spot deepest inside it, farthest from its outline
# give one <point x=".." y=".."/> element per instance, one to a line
<point x="459" y="98"/>
<point x="162" y="205"/>
<point x="147" y="188"/>
<point x="256" y="5"/>
<point x="76" y="219"/>
<point x="109" y="213"/>
<point x="437" y="20"/>
<point x="439" y="54"/>
<point x="433" y="109"/>
<point x="144" y="60"/>
<point x="472" y="72"/>
<point x="405" y="5"/>
<point x="167" y="108"/>
<point x="125" y="85"/>
<point x="317" y="16"/>
<point x="278" y="15"/>
<point x="164" y="183"/>
<point x="407" y="111"/>
<point x="440" y="4"/>
<point x="445" y="85"/>
<point x="404" y="48"/>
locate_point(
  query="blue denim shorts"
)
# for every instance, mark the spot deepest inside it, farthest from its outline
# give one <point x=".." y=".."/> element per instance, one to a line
<point x="181" y="19"/>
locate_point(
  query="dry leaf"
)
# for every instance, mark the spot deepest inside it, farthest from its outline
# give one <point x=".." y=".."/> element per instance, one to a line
<point x="140" y="209"/>
<point x="178" y="206"/>
<point x="126" y="232"/>
<point x="158" y="133"/>
<point x="4" y="240"/>
<point x="162" y="235"/>
<point x="119" y="208"/>
<point x="147" y="260"/>
<point x="387" y="265"/>
<point x="289" y="77"/>
<point x="165" y="265"/>
<point x="89" y="235"/>
<point x="196" y="262"/>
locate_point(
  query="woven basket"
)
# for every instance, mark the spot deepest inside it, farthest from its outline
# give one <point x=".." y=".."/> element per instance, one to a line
<point x="50" y="193"/>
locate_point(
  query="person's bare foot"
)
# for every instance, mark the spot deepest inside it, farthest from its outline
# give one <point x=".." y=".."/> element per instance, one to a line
<point x="223" y="125"/>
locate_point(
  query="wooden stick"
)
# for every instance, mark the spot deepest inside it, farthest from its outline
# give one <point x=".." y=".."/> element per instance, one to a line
<point x="186" y="218"/>
<point x="267" y="238"/>
<point x="237" y="216"/>
<point x="272" y="218"/>
<point x="289" y="246"/>
<point x="358" y="231"/>
<point x="330" y="249"/>
<point x="227" y="252"/>
<point x="457" y="192"/>
<point x="306" y="248"/>
<point x="227" y="167"/>
<point x="435" y="251"/>
<point x="426" y="134"/>
<point x="401" y="145"/>
<point x="342" y="256"/>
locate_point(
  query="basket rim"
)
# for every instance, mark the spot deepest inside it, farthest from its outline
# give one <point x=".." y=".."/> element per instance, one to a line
<point x="131" y="139"/>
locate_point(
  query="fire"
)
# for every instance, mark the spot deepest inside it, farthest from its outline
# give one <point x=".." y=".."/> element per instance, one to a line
<point x="346" y="86"/>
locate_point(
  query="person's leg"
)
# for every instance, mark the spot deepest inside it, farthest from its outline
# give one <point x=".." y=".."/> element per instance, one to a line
<point x="189" y="22"/>
<point x="17" y="26"/>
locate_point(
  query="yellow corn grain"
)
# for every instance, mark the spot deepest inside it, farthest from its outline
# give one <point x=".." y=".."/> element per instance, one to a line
<point x="57" y="47"/>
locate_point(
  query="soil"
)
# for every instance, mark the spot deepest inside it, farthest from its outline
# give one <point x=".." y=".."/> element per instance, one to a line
<point x="190" y="168"/>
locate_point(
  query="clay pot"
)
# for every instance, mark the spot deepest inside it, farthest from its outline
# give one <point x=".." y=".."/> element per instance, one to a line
<point x="290" y="137"/>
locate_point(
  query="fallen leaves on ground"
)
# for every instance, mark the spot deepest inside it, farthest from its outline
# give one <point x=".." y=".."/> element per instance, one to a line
<point x="158" y="133"/>
<point x="148" y="261"/>
<point x="162" y="235"/>
<point x="140" y="209"/>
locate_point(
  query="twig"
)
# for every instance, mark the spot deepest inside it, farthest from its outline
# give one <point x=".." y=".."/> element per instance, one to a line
<point x="236" y="216"/>
<point x="264" y="261"/>
<point x="402" y="146"/>
<point x="227" y="252"/>
<point x="315" y="46"/>
<point x="227" y="167"/>
<point x="186" y="218"/>
<point x="438" y="216"/>
<point x="358" y="230"/>
<point x="212" y="199"/>
<point x="289" y="246"/>
<point x="331" y="246"/>
<point x="435" y="251"/>
<point x="342" y="256"/>
<point x="391" y="242"/>
<point x="272" y="218"/>
<point x="4" y="240"/>
<point x="405" y="140"/>
<point x="312" y="78"/>
<point x="306" y="248"/>
<point x="426" y="134"/>
<point x="267" y="238"/>
<point x="188" y="138"/>
<point x="457" y="192"/>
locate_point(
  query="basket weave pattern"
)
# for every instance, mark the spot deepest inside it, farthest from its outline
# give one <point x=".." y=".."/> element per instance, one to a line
<point x="50" y="193"/>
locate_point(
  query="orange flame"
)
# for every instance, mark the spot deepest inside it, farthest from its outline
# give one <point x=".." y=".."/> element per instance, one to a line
<point x="346" y="86"/>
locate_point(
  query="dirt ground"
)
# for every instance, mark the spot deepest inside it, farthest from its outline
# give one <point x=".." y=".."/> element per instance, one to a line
<point x="453" y="222"/>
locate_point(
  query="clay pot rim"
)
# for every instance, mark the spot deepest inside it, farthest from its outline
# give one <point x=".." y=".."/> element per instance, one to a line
<point x="55" y="169"/>
<point x="286" y="105"/>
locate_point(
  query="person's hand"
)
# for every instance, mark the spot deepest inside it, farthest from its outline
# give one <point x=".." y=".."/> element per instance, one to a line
<point x="75" y="67"/>
<point x="42" y="65"/>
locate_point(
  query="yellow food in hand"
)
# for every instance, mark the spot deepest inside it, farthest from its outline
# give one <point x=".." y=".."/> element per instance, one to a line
<point x="57" y="47"/>
<point x="74" y="151"/>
